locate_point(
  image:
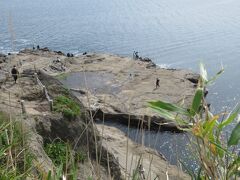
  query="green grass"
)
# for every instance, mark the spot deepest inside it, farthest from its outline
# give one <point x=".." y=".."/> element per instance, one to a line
<point x="62" y="76"/>
<point x="64" y="158"/>
<point x="61" y="152"/>
<point x="15" y="158"/>
<point x="57" y="151"/>
<point x="67" y="107"/>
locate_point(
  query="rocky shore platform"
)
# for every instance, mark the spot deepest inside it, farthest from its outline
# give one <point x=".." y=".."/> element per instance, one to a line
<point x="111" y="88"/>
<point x="115" y="88"/>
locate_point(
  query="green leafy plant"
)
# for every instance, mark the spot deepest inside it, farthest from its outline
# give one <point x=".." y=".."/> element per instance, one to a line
<point x="217" y="156"/>
<point x="66" y="106"/>
<point x="57" y="151"/>
<point x="65" y="159"/>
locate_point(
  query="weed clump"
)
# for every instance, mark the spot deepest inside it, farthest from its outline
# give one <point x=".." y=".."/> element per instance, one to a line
<point x="67" y="107"/>
<point x="61" y="152"/>
<point x="64" y="158"/>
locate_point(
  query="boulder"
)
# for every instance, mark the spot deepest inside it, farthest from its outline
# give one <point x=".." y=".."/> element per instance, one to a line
<point x="192" y="77"/>
<point x="59" y="53"/>
<point x="3" y="58"/>
<point x="45" y="49"/>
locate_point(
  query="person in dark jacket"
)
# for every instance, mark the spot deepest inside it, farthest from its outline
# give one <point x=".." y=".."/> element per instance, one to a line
<point x="157" y="83"/>
<point x="14" y="73"/>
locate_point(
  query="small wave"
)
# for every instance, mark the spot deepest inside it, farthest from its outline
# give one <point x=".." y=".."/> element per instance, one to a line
<point x="7" y="50"/>
<point x="6" y="41"/>
<point x="77" y="53"/>
<point x="23" y="43"/>
<point x="164" y="66"/>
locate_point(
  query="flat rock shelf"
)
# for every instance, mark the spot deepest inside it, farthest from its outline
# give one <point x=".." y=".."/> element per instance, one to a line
<point x="118" y="88"/>
<point x="112" y="87"/>
<point x="115" y="89"/>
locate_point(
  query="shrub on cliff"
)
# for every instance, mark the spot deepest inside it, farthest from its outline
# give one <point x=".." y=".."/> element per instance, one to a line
<point x="217" y="157"/>
<point x="66" y="106"/>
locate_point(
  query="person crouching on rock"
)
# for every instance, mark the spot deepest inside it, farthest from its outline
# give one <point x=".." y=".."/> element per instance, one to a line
<point x="14" y="73"/>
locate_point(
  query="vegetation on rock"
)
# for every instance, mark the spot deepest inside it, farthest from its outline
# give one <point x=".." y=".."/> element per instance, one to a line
<point x="66" y="106"/>
<point x="64" y="158"/>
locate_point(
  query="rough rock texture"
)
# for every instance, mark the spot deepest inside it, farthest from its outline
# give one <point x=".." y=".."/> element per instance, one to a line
<point x="42" y="126"/>
<point x="118" y="87"/>
<point x="114" y="85"/>
<point x="35" y="142"/>
<point x="154" y="164"/>
<point x="3" y="58"/>
<point x="76" y="131"/>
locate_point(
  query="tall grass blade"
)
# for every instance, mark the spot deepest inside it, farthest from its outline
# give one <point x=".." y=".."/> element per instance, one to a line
<point x="209" y="125"/>
<point x="231" y="117"/>
<point x="197" y="101"/>
<point x="215" y="77"/>
<point x="169" y="107"/>
<point x="235" y="136"/>
<point x="164" y="113"/>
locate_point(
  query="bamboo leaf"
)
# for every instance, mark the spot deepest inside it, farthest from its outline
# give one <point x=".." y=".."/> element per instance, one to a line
<point x="169" y="107"/>
<point x="165" y="114"/>
<point x="219" y="151"/>
<point x="235" y="136"/>
<point x="219" y="146"/>
<point x="230" y="118"/>
<point x="197" y="101"/>
<point x="209" y="125"/>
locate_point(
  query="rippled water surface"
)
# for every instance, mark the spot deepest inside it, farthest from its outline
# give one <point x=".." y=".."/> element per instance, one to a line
<point x="174" y="33"/>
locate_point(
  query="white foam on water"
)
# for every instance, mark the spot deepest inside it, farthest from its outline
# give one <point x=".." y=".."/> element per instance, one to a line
<point x="164" y="66"/>
<point x="77" y="53"/>
<point x="7" y="50"/>
<point x="6" y="41"/>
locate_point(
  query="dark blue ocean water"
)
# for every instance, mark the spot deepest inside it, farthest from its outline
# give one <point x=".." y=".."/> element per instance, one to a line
<point x="174" y="33"/>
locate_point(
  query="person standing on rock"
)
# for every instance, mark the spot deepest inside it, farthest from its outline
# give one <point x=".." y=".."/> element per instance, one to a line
<point x="157" y="83"/>
<point x="15" y="73"/>
<point x="135" y="55"/>
<point x="141" y="171"/>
